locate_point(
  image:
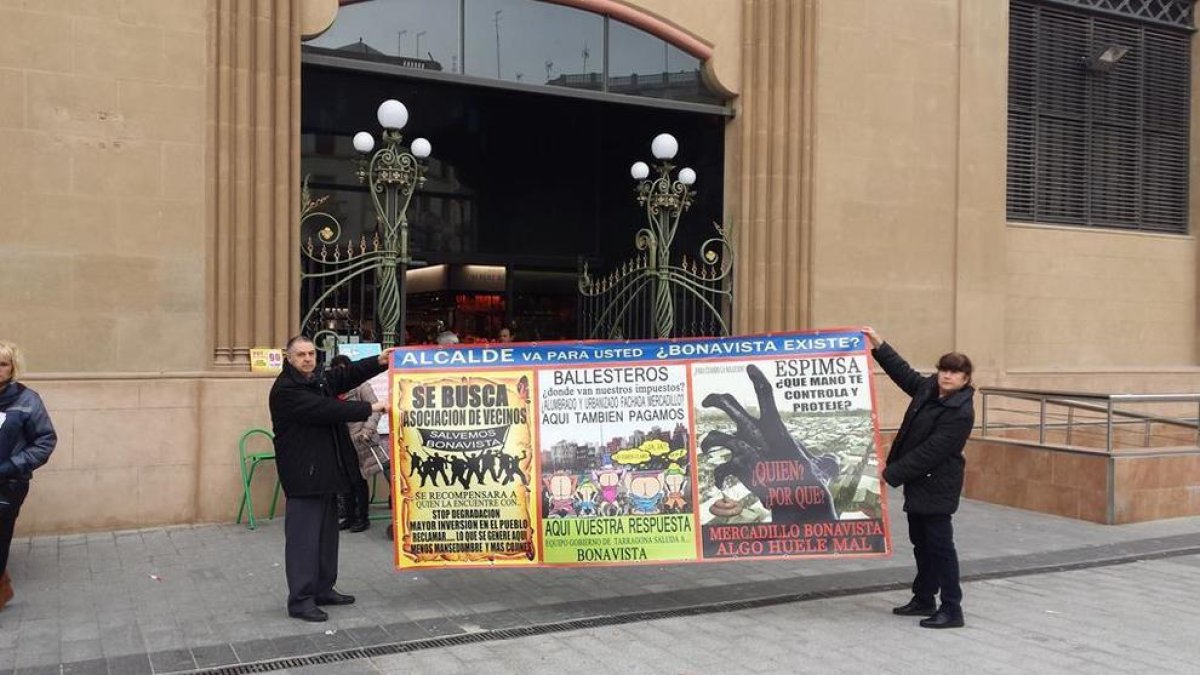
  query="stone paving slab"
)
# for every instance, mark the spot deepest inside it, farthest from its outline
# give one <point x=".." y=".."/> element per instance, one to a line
<point x="199" y="597"/>
<point x="1094" y="620"/>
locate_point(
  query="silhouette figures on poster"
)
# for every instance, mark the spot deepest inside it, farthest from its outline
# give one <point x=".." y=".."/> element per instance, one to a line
<point x="467" y="469"/>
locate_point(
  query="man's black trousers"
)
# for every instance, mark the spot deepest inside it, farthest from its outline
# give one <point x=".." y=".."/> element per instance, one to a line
<point x="932" y="537"/>
<point x="310" y="550"/>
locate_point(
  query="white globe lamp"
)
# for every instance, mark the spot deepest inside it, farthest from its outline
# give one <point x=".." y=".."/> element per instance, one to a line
<point x="639" y="170"/>
<point x="421" y="148"/>
<point x="364" y="142"/>
<point x="392" y="114"/>
<point x="664" y="146"/>
<point x="687" y="176"/>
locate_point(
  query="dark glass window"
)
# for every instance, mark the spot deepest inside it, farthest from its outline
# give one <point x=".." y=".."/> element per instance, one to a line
<point x="640" y="64"/>
<point x="421" y="34"/>
<point x="1098" y="113"/>
<point x="520" y="41"/>
<point x="535" y="43"/>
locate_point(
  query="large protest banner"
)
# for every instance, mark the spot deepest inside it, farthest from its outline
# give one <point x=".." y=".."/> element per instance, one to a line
<point x="637" y="452"/>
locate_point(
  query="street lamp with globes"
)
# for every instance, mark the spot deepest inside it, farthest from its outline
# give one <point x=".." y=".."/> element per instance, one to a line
<point x="665" y="198"/>
<point x="392" y="173"/>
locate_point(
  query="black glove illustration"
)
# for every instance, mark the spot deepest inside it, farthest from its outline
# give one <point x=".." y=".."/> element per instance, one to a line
<point x="766" y="439"/>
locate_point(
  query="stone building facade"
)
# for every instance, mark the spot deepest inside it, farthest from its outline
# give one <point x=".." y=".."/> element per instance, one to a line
<point x="150" y="170"/>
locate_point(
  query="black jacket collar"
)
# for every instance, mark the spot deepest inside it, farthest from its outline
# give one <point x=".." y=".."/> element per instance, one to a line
<point x="296" y="377"/>
<point x="955" y="400"/>
<point x="958" y="398"/>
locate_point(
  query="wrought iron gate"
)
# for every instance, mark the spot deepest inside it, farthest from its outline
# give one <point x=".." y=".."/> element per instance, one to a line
<point x="638" y="298"/>
<point x="338" y="293"/>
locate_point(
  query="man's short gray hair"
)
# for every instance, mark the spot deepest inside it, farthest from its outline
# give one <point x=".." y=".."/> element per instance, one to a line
<point x="295" y="339"/>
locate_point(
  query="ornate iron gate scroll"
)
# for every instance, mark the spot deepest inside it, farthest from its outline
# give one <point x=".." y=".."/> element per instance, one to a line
<point x="336" y="288"/>
<point x="651" y="295"/>
<point x="640" y="297"/>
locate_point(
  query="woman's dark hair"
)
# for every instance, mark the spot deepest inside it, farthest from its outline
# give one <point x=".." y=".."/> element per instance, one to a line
<point x="955" y="362"/>
<point x="339" y="361"/>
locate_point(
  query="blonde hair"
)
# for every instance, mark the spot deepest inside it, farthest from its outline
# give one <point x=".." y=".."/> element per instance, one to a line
<point x="10" y="350"/>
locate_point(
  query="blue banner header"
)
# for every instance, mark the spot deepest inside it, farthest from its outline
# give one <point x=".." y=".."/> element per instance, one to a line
<point x="609" y="352"/>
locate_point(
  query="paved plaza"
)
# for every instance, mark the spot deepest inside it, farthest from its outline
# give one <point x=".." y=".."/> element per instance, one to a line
<point x="212" y="597"/>
<point x="1096" y="620"/>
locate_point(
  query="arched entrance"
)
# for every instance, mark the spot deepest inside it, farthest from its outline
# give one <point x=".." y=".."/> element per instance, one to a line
<point x="535" y="111"/>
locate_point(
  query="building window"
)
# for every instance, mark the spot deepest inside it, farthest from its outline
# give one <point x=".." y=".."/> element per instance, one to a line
<point x="516" y="41"/>
<point x="1098" y="113"/>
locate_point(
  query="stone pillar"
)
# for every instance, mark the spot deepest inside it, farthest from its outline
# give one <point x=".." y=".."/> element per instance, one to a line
<point x="981" y="231"/>
<point x="253" y="175"/>
<point x="771" y="170"/>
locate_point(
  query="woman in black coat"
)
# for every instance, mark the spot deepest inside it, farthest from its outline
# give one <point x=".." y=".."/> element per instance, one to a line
<point x="927" y="459"/>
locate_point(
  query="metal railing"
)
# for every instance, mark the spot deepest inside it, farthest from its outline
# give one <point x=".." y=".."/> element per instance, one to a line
<point x="1076" y="417"/>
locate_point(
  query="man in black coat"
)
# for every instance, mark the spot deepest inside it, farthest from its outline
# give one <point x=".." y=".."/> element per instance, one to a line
<point x="927" y="459"/>
<point x="315" y="457"/>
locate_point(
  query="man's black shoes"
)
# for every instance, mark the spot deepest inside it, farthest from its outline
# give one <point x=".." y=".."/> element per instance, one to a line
<point x="916" y="607"/>
<point x="317" y="615"/>
<point x="335" y="598"/>
<point x="312" y="614"/>
<point x="360" y="525"/>
<point x="946" y="617"/>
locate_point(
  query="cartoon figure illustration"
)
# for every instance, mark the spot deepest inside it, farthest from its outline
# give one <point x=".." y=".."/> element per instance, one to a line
<point x="674" y="479"/>
<point x="609" y="479"/>
<point x="645" y="492"/>
<point x="560" y="486"/>
<point x="585" y="498"/>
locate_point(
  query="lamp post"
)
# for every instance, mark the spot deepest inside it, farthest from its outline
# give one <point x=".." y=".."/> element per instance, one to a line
<point x="665" y="197"/>
<point x="392" y="173"/>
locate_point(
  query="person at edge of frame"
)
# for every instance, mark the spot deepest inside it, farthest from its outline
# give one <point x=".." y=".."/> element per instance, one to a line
<point x="315" y="457"/>
<point x="27" y="439"/>
<point x="927" y="459"/>
<point x="363" y="435"/>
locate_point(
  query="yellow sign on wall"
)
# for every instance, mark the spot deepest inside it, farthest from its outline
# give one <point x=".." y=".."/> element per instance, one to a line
<point x="263" y="360"/>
